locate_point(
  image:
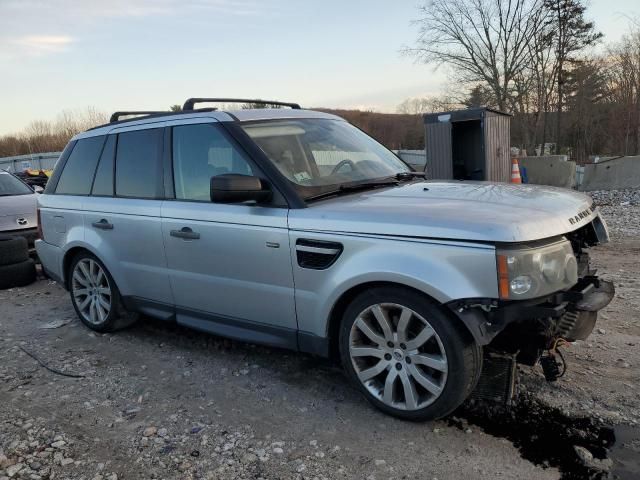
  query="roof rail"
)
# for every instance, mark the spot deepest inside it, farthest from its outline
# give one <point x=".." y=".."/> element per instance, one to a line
<point x="189" y="104"/>
<point x="116" y="115"/>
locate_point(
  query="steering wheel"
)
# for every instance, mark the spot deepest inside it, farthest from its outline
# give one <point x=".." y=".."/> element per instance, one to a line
<point x="341" y="164"/>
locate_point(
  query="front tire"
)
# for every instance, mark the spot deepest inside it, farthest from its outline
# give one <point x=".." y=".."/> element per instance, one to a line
<point x="95" y="296"/>
<point x="408" y="357"/>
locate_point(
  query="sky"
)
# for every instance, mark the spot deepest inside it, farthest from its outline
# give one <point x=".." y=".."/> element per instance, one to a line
<point x="60" y="55"/>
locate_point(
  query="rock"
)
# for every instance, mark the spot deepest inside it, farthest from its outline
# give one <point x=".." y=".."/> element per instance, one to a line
<point x="249" y="458"/>
<point x="278" y="450"/>
<point x="584" y="455"/>
<point x="163" y="432"/>
<point x="59" y="444"/>
<point x="5" y="462"/>
<point x="149" y="431"/>
<point x="602" y="331"/>
<point x="313" y="443"/>
<point x="66" y="461"/>
<point x="13" y="470"/>
<point x="380" y="463"/>
<point x="605" y="464"/>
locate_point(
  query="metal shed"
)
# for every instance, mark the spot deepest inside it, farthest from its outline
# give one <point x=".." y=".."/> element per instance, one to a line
<point x="471" y="144"/>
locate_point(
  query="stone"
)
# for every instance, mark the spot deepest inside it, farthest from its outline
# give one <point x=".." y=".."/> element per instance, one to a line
<point x="13" y="470"/>
<point x="584" y="455"/>
<point x="249" y="458"/>
<point x="59" y="444"/>
<point x="66" y="461"/>
<point x="149" y="431"/>
<point x="278" y="450"/>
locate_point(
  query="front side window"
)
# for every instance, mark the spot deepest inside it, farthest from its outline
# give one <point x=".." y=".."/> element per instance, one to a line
<point x="10" y="185"/>
<point x="77" y="176"/>
<point x="138" y="171"/>
<point x="321" y="155"/>
<point x="200" y="152"/>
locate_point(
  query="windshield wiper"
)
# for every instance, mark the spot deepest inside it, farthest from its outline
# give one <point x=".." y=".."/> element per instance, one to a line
<point x="352" y="188"/>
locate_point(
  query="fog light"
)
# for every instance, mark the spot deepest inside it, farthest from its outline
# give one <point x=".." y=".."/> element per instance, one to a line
<point x="521" y="285"/>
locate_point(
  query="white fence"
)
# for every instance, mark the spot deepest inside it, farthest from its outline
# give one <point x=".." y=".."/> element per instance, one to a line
<point x="416" y="158"/>
<point x="37" y="161"/>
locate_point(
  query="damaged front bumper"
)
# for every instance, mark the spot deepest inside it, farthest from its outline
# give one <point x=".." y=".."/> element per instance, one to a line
<point x="569" y="314"/>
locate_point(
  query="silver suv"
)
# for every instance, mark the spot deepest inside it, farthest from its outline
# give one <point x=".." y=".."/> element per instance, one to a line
<point x="293" y="228"/>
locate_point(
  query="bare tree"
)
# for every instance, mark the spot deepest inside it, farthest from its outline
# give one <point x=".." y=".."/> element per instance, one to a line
<point x="483" y="41"/>
<point x="51" y="136"/>
<point x="418" y="105"/>
<point x="624" y="87"/>
<point x="573" y="35"/>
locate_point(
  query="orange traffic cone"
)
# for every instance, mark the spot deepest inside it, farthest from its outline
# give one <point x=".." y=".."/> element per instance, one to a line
<point x="515" y="171"/>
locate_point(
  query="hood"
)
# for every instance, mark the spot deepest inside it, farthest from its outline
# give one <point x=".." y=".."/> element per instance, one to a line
<point x="15" y="210"/>
<point x="476" y="211"/>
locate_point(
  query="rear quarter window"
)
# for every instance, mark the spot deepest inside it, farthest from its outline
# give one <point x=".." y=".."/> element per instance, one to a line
<point x="77" y="176"/>
<point x="103" y="183"/>
<point x="138" y="164"/>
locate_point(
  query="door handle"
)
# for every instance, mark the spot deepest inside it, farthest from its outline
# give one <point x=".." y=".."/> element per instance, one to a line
<point x="186" y="233"/>
<point x="103" y="224"/>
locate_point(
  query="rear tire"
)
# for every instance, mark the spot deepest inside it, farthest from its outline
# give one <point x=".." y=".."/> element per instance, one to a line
<point x="407" y="355"/>
<point x="17" y="275"/>
<point x="13" y="250"/>
<point x="95" y="296"/>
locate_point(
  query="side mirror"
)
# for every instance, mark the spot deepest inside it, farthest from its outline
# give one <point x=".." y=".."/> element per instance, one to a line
<point x="38" y="189"/>
<point x="236" y="188"/>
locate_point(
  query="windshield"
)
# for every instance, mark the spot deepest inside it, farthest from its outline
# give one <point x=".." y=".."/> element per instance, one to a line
<point x="9" y="185"/>
<point x="322" y="155"/>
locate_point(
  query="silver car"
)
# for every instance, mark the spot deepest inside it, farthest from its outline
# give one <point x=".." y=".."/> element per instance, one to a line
<point x="292" y="228"/>
<point x="18" y="202"/>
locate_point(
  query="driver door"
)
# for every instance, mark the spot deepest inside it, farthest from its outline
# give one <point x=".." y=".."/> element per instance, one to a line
<point x="230" y="266"/>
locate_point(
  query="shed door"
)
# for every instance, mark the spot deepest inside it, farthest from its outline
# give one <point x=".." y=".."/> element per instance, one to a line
<point x="438" y="146"/>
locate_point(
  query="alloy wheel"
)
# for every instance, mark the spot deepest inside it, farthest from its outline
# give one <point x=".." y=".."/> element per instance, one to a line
<point x="398" y="356"/>
<point x="91" y="291"/>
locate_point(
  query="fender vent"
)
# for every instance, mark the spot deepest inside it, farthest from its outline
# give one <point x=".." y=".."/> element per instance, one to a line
<point x="317" y="254"/>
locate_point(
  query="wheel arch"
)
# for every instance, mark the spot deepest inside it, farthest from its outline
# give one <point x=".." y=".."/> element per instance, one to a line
<point x="68" y="257"/>
<point x="342" y="303"/>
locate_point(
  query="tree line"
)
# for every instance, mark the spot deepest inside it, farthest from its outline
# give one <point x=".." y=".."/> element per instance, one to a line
<point x="43" y="136"/>
<point x="537" y="60"/>
<point x="396" y="131"/>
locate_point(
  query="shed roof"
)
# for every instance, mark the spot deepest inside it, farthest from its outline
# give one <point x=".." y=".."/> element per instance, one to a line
<point x="462" y="115"/>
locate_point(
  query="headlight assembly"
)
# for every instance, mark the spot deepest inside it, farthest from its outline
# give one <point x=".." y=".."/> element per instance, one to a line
<point x="535" y="271"/>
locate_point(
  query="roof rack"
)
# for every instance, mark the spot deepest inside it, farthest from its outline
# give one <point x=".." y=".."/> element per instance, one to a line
<point x="189" y="104"/>
<point x="116" y="115"/>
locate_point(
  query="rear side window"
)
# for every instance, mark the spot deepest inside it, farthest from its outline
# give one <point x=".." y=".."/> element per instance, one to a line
<point x="77" y="176"/>
<point x="138" y="171"/>
<point x="103" y="183"/>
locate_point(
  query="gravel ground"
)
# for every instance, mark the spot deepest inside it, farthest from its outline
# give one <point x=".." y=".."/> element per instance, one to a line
<point x="159" y="401"/>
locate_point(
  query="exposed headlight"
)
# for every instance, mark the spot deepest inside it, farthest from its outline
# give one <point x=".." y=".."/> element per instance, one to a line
<point x="531" y="271"/>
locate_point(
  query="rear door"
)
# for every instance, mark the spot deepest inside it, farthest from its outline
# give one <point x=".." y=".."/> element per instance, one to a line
<point x="229" y="264"/>
<point x="122" y="213"/>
